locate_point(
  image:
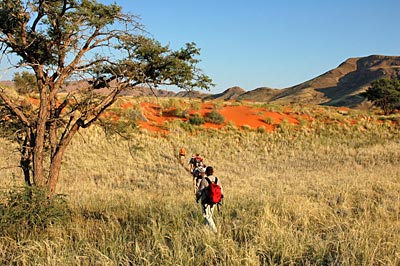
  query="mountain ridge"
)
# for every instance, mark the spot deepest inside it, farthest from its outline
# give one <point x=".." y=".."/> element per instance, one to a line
<point x="340" y="86"/>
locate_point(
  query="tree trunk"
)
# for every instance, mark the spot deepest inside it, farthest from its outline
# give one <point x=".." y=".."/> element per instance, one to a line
<point x="26" y="156"/>
<point x="38" y="151"/>
<point x="54" y="172"/>
<point x="56" y="160"/>
<point x="40" y="138"/>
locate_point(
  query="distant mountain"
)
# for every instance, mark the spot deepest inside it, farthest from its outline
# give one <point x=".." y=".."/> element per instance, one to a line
<point x="134" y="91"/>
<point x="263" y="94"/>
<point x="342" y="86"/>
<point x="229" y="94"/>
<point x="146" y="91"/>
<point x="191" y="94"/>
<point x="7" y="83"/>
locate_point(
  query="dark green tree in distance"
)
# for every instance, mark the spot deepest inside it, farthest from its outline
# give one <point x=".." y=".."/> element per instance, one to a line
<point x="384" y="93"/>
<point x="70" y="40"/>
<point x="25" y="82"/>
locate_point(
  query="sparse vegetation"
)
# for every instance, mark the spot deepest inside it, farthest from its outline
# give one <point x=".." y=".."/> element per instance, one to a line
<point x="214" y="117"/>
<point x="195" y="105"/>
<point x="325" y="196"/>
<point x="196" y="119"/>
<point x="28" y="210"/>
<point x="269" y="120"/>
<point x="176" y="107"/>
<point x="302" y="122"/>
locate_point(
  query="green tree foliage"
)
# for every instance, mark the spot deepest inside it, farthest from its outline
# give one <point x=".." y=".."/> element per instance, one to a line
<point x="70" y="40"/>
<point x="384" y="93"/>
<point x="25" y="82"/>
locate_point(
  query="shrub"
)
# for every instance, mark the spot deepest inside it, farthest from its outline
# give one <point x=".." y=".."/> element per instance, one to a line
<point x="196" y="119"/>
<point x="218" y="105"/>
<point x="181" y="112"/>
<point x="188" y="127"/>
<point x="135" y="115"/>
<point x="196" y="105"/>
<point x="246" y="127"/>
<point x="120" y="127"/>
<point x="28" y="208"/>
<point x="284" y="126"/>
<point x="273" y="107"/>
<point x="215" y="118"/>
<point x="303" y="122"/>
<point x="261" y="129"/>
<point x="269" y="120"/>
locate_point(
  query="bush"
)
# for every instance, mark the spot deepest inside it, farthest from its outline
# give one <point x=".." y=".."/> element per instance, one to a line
<point x="269" y="120"/>
<point x="215" y="118"/>
<point x="285" y="126"/>
<point x="261" y="129"/>
<point x="122" y="128"/>
<point x="135" y="115"/>
<point x="196" y="120"/>
<point x="303" y="122"/>
<point x="181" y="112"/>
<point x="28" y="208"/>
<point x="196" y="105"/>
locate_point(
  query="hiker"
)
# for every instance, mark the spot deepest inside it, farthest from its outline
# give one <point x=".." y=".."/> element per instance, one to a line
<point x="206" y="204"/>
<point x="192" y="164"/>
<point x="182" y="154"/>
<point x="195" y="162"/>
<point x="198" y="160"/>
<point x="197" y="168"/>
<point x="197" y="177"/>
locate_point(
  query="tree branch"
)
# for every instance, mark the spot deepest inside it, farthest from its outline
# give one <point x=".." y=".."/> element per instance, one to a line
<point x="13" y="108"/>
<point x="39" y="16"/>
<point x="94" y="113"/>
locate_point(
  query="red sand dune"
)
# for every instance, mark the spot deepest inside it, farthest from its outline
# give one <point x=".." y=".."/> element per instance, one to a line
<point x="238" y="115"/>
<point x="243" y="115"/>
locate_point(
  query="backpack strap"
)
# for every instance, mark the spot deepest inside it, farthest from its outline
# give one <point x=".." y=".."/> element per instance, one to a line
<point x="209" y="181"/>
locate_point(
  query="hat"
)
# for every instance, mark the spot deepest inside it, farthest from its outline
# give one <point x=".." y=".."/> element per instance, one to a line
<point x="202" y="170"/>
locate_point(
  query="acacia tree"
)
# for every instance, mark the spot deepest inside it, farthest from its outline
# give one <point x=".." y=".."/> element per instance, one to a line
<point x="25" y="82"/>
<point x="80" y="39"/>
<point x="384" y="93"/>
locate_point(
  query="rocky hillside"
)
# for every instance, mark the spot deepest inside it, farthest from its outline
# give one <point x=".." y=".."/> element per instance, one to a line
<point x="262" y="94"/>
<point x="337" y="87"/>
<point x="342" y="86"/>
<point x="229" y="94"/>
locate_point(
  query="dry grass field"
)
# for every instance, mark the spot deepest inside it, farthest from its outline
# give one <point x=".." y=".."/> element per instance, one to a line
<point x="317" y="194"/>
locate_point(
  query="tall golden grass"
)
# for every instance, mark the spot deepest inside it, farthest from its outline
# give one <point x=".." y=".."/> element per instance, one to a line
<point x="318" y="195"/>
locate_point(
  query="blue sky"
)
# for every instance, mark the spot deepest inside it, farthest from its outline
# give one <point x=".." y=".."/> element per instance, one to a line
<point x="277" y="43"/>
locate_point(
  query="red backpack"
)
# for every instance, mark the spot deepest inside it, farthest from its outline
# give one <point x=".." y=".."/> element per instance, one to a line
<point x="213" y="192"/>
